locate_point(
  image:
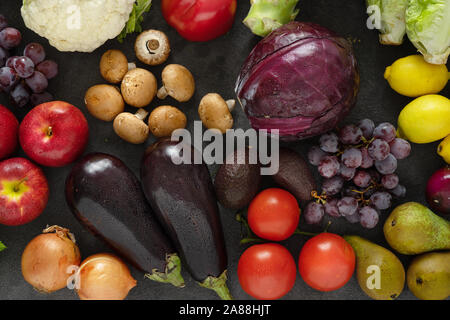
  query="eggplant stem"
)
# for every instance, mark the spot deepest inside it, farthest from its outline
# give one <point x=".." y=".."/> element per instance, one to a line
<point x="218" y="285"/>
<point x="172" y="273"/>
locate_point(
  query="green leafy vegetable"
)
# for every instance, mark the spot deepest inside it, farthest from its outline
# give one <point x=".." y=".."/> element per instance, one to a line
<point x="391" y="15"/>
<point x="267" y="15"/>
<point x="2" y="246"/>
<point x="136" y="18"/>
<point x="428" y="28"/>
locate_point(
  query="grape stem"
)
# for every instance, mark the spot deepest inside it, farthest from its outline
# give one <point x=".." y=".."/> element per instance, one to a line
<point x="319" y="198"/>
<point x="364" y="201"/>
<point x="365" y="144"/>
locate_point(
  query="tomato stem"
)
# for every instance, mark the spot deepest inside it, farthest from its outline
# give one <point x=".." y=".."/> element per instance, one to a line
<point x="328" y="225"/>
<point x="249" y="240"/>
<point x="304" y="233"/>
<point x="250" y="236"/>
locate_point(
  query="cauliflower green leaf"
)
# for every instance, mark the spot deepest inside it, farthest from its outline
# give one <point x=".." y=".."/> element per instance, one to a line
<point x="136" y="18"/>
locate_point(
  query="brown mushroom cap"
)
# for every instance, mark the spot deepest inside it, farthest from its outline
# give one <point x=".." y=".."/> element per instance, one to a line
<point x="215" y="113"/>
<point x="165" y="119"/>
<point x="104" y="102"/>
<point x="178" y="82"/>
<point x="139" y="87"/>
<point x="113" y="66"/>
<point x="152" y="47"/>
<point x="131" y="127"/>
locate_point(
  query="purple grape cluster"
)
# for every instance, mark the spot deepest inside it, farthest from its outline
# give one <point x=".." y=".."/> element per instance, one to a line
<point x="358" y="165"/>
<point x="24" y="78"/>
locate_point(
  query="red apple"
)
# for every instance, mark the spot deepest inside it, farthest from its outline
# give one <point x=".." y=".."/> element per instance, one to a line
<point x="54" y="134"/>
<point x="9" y="132"/>
<point x="23" y="191"/>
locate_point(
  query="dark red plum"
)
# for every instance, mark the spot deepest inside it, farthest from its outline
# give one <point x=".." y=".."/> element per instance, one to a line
<point x="438" y="190"/>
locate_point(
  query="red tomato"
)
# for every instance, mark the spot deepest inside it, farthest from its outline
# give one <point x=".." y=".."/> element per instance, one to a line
<point x="326" y="262"/>
<point x="199" y="20"/>
<point x="273" y="214"/>
<point x="267" y="271"/>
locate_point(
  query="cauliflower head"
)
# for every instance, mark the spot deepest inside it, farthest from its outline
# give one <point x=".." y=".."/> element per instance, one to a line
<point x="77" y="25"/>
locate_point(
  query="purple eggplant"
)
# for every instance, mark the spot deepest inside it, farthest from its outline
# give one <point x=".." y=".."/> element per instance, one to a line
<point x="107" y="198"/>
<point x="438" y="190"/>
<point x="182" y="197"/>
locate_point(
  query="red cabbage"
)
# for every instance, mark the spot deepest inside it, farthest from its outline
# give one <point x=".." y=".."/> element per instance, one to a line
<point x="302" y="79"/>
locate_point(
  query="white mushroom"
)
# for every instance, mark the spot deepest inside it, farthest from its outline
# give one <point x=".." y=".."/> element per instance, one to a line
<point x="178" y="82"/>
<point x="104" y="102"/>
<point x="166" y="119"/>
<point x="152" y="47"/>
<point x="215" y="112"/>
<point x="113" y="66"/>
<point x="131" y="127"/>
<point x="139" y="87"/>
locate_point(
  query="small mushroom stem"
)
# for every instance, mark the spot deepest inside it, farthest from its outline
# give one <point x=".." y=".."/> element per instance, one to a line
<point x="231" y="104"/>
<point x="162" y="93"/>
<point x="131" y="66"/>
<point x="152" y="45"/>
<point x="141" y="114"/>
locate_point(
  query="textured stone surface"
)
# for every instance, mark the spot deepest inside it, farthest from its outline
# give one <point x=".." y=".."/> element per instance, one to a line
<point x="215" y="66"/>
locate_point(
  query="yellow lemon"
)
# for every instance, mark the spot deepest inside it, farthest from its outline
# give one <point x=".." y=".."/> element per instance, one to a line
<point x="412" y="76"/>
<point x="444" y="149"/>
<point x="425" y="119"/>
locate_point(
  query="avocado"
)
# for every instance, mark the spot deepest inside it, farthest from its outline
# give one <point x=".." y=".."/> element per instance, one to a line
<point x="294" y="175"/>
<point x="237" y="181"/>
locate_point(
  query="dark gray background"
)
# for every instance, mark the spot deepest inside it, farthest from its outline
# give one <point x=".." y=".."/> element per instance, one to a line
<point x="215" y="65"/>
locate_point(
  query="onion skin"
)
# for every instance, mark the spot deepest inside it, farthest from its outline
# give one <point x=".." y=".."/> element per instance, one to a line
<point x="104" y="276"/>
<point x="46" y="258"/>
<point x="302" y="79"/>
<point x="438" y="191"/>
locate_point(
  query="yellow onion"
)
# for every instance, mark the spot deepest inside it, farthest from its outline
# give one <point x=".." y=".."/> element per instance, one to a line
<point x="47" y="258"/>
<point x="103" y="276"/>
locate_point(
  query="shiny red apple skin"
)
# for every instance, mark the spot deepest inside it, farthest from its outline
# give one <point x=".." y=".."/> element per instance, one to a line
<point x="9" y="132"/>
<point x="28" y="201"/>
<point x="54" y="134"/>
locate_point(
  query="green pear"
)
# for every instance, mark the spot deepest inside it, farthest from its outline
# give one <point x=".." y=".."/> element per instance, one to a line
<point x="379" y="272"/>
<point x="413" y="229"/>
<point x="428" y="276"/>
